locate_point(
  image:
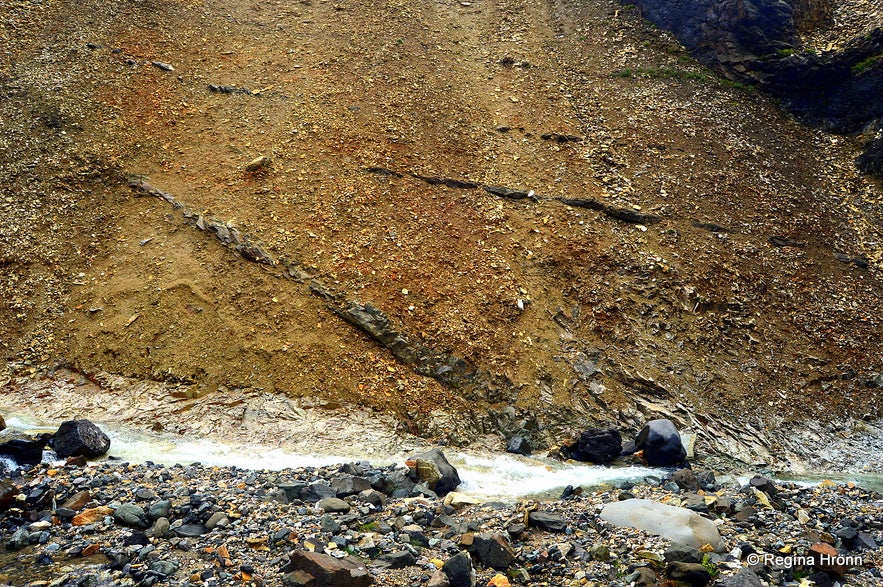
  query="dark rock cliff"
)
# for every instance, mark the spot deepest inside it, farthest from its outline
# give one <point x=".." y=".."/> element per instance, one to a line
<point x="757" y="41"/>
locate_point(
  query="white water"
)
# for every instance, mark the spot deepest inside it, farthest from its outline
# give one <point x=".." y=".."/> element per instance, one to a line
<point x="484" y="476"/>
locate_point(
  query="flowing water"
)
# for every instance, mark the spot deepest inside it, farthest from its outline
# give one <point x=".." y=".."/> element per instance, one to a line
<point x="484" y="475"/>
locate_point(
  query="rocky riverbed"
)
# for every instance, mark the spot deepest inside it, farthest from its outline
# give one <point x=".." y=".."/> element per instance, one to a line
<point x="119" y="523"/>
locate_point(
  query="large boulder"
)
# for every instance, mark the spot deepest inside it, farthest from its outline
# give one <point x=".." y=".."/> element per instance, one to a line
<point x="432" y="468"/>
<point x="80" y="437"/>
<point x="674" y="523"/>
<point x="661" y="443"/>
<point x="597" y="445"/>
<point x="325" y="570"/>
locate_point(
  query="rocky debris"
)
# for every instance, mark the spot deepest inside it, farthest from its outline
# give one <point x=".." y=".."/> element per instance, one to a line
<point x="623" y="214"/>
<point x="433" y="468"/>
<point x="226" y="233"/>
<point x="661" y="443"/>
<point x="677" y="524"/>
<point x="162" y="66"/>
<point x="597" y="445"/>
<point x="276" y="537"/>
<point x="80" y="438"/>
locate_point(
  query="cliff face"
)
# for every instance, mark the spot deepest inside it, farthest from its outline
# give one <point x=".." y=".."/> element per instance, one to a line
<point x="766" y="43"/>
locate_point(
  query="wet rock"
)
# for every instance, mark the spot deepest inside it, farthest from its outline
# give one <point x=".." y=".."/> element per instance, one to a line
<point x="597" y="445"/>
<point x="493" y="550"/>
<point x="80" y="437"/>
<point x="23" y="451"/>
<point x="434" y="469"/>
<point x="459" y="570"/>
<point x="677" y="524"/>
<point x="661" y="443"/>
<point x="78" y="500"/>
<point x="518" y="445"/>
<point x="547" y="521"/>
<point x="328" y="571"/>
<point x="19" y="539"/>
<point x="692" y="574"/>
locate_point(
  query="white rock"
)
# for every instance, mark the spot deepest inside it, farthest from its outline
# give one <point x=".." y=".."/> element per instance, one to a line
<point x="677" y="524"/>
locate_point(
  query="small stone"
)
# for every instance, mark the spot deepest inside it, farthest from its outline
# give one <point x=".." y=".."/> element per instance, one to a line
<point x="459" y="570"/>
<point x="129" y="514"/>
<point x="493" y="550"/>
<point x="547" y="521"/>
<point x="257" y="163"/>
<point x="91" y="515"/>
<point x="333" y="505"/>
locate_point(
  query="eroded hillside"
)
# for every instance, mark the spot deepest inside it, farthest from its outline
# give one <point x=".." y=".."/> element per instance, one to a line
<point x="713" y="259"/>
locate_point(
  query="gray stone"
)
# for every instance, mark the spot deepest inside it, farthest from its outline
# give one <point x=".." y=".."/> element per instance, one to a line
<point x="349" y="485"/>
<point x="642" y="577"/>
<point x="326" y="570"/>
<point x="317" y="491"/>
<point x="160" y="527"/>
<point x="129" y="514"/>
<point x="160" y="509"/>
<point x="493" y="550"/>
<point x="459" y="570"/>
<point x="677" y="524"/>
<point x="398" y="560"/>
<point x="167" y="568"/>
<point x="547" y="521"/>
<point x="333" y="505"/>
<point x="217" y="520"/>
<point x="20" y="538"/>
<point x="683" y="554"/>
<point x="190" y="530"/>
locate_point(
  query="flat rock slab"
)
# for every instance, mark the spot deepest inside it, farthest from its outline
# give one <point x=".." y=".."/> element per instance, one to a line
<point x="677" y="524"/>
